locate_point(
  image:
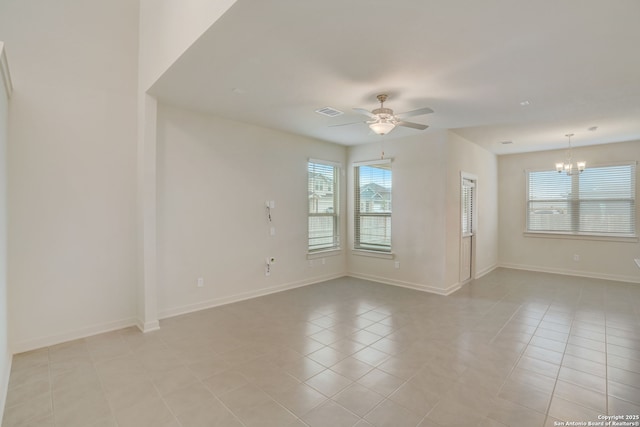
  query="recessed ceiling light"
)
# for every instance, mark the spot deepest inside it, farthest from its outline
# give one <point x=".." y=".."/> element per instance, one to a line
<point x="525" y="103"/>
<point x="506" y="142"/>
<point x="593" y="128"/>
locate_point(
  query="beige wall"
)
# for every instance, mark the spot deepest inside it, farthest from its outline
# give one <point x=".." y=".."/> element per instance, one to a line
<point x="426" y="210"/>
<point x="417" y="221"/>
<point x="604" y="259"/>
<point x="72" y="159"/>
<point x="5" y="354"/>
<point x="464" y="156"/>
<point x="72" y="258"/>
<point x="168" y="28"/>
<point x="214" y="176"/>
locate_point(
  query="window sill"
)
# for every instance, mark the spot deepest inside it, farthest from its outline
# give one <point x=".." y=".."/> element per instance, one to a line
<point x="323" y="254"/>
<point x="373" y="254"/>
<point x="581" y="237"/>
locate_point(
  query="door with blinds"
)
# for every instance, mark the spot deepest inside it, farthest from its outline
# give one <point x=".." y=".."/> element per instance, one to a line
<point x="467" y="227"/>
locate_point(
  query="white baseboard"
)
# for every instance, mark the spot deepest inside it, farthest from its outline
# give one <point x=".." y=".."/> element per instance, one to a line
<point x="4" y="385"/>
<point x="567" y="272"/>
<point x="88" y="331"/>
<point x="415" y="286"/>
<point x="148" y="326"/>
<point x="485" y="271"/>
<point x="215" y="302"/>
<point x="47" y="341"/>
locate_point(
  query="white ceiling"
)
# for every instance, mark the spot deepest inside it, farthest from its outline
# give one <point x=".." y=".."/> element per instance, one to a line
<point x="274" y="62"/>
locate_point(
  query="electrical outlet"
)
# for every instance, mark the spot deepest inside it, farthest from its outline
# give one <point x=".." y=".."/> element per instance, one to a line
<point x="200" y="282"/>
<point x="576" y="257"/>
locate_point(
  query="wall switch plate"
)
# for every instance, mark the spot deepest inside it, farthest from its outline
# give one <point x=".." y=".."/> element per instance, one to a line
<point x="637" y="260"/>
<point x="576" y="257"/>
<point x="397" y="264"/>
<point x="272" y="231"/>
<point x="201" y="282"/>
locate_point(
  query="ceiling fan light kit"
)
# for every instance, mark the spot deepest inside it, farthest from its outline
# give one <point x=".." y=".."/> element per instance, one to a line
<point x="382" y="127"/>
<point x="384" y="121"/>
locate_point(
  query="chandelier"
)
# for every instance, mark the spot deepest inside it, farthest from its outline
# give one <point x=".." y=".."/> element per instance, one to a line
<point x="568" y="166"/>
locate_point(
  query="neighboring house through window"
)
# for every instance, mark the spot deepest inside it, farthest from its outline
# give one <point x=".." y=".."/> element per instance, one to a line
<point x="323" y="205"/>
<point x="372" y="206"/>
<point x="601" y="201"/>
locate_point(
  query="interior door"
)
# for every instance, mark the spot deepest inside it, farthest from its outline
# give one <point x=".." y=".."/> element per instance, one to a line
<point x="468" y="190"/>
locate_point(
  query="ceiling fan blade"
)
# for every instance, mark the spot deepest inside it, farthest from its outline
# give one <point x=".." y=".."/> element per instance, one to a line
<point x="418" y="112"/>
<point x="413" y="125"/>
<point x="344" y="124"/>
<point x="365" y="112"/>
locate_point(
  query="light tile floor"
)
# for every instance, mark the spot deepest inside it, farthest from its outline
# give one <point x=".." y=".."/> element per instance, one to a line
<point x="513" y="348"/>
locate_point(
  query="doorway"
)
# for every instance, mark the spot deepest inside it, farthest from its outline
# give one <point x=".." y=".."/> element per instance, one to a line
<point x="468" y="221"/>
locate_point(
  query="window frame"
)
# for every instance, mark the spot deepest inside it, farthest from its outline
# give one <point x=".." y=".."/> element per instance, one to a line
<point x="382" y="251"/>
<point x="575" y="203"/>
<point x="335" y="213"/>
<point x="468" y="220"/>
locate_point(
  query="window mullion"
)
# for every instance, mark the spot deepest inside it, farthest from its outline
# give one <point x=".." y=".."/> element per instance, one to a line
<point x="599" y="201"/>
<point x="575" y="203"/>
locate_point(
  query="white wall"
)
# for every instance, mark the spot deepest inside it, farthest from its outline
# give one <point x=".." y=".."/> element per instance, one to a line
<point x="72" y="159"/>
<point x="426" y="211"/>
<point x="465" y="156"/>
<point x="168" y="28"/>
<point x="418" y="219"/>
<point x="214" y="176"/>
<point x="603" y="259"/>
<point x="5" y="354"/>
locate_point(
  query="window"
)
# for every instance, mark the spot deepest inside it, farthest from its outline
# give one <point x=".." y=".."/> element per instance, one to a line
<point x="599" y="201"/>
<point x="372" y="206"/>
<point x="323" y="205"/>
<point x="468" y="187"/>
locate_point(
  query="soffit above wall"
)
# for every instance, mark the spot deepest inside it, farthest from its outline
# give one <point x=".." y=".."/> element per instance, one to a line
<point x="573" y="64"/>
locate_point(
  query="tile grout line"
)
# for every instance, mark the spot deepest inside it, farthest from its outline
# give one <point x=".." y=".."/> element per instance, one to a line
<point x="491" y="340"/>
<point x="606" y="353"/>
<point x="553" y="391"/>
<point x="580" y="304"/>
<point x="546" y="415"/>
<point x="199" y="381"/>
<point x="53" y="412"/>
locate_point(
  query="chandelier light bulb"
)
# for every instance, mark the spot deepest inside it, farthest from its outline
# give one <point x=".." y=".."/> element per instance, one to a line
<point x="567" y="166"/>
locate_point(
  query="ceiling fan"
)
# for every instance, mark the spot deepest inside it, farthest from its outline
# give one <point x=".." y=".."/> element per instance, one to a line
<point x="384" y="121"/>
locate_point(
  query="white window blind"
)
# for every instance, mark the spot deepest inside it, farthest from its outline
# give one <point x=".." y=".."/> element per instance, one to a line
<point x="323" y="205"/>
<point x="467" y="206"/>
<point x="372" y="206"/>
<point x="599" y="201"/>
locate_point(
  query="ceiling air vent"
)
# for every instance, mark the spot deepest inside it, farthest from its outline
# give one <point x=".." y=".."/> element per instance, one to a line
<point x="328" y="111"/>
